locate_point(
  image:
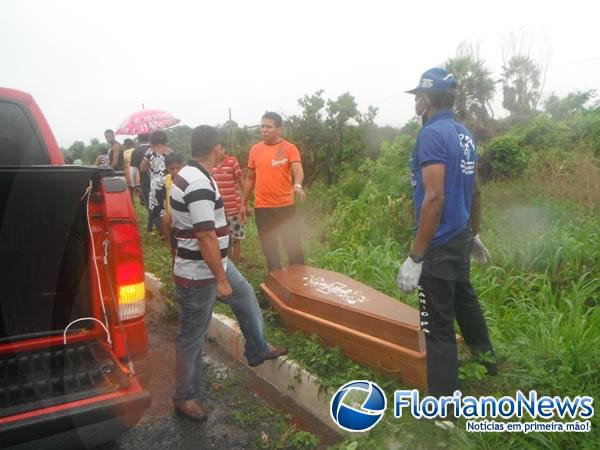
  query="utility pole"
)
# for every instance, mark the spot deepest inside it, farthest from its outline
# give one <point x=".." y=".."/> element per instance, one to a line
<point x="230" y="143"/>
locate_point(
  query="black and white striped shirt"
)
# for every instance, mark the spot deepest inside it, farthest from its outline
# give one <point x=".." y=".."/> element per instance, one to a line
<point x="196" y="205"/>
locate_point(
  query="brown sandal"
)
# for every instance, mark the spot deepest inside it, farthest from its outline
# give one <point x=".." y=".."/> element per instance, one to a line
<point x="190" y="409"/>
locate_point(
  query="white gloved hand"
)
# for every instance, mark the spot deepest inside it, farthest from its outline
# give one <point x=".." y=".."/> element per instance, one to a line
<point x="480" y="253"/>
<point x="409" y="274"/>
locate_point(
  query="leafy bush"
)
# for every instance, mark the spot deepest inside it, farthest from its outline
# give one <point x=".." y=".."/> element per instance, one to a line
<point x="352" y="184"/>
<point x="591" y="130"/>
<point x="303" y="440"/>
<point x="390" y="172"/>
<point x="371" y="219"/>
<point x="504" y="158"/>
<point x="542" y="133"/>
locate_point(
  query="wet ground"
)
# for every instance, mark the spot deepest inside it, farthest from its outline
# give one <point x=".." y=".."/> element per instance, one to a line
<point x="244" y="412"/>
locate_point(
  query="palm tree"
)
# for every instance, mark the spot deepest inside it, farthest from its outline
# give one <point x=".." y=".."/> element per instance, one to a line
<point x="476" y="87"/>
<point x="521" y="85"/>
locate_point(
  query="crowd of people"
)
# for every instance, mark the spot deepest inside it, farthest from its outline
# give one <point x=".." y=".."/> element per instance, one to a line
<point x="200" y="207"/>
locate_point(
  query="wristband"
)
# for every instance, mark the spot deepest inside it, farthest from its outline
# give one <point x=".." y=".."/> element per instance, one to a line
<point x="416" y="258"/>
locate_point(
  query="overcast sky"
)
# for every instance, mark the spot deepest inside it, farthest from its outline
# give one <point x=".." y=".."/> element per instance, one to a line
<point x="89" y="64"/>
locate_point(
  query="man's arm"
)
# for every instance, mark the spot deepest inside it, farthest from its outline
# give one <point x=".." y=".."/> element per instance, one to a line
<point x="116" y="153"/>
<point x="144" y="165"/>
<point x="238" y="177"/>
<point x="297" y="172"/>
<point x="298" y="176"/>
<point x="431" y="209"/>
<point x="209" y="247"/>
<point x="476" y="206"/>
<point x="166" y="224"/>
<point x="240" y="185"/>
<point x="248" y="187"/>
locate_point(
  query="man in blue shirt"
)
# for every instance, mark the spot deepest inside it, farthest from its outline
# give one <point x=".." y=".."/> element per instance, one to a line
<point x="447" y="215"/>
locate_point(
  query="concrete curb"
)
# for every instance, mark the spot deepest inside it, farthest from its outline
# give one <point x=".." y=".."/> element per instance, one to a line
<point x="291" y="380"/>
<point x="153" y="286"/>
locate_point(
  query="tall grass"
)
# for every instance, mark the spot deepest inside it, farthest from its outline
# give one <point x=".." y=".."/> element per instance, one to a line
<point x="574" y="178"/>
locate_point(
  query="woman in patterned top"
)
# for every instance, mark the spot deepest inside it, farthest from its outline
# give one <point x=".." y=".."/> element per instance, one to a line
<point x="154" y="164"/>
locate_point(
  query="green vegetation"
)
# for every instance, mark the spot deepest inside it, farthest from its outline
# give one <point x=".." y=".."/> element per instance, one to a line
<point x="540" y="294"/>
<point x="506" y="158"/>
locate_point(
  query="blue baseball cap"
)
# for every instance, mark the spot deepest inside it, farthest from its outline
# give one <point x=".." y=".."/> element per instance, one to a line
<point x="435" y="80"/>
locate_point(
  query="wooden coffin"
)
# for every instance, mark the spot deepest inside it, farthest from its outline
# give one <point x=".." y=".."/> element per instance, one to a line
<point x="371" y="327"/>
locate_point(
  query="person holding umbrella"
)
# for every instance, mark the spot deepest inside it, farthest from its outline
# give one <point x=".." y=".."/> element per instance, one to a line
<point x="154" y="164"/>
<point x="142" y="123"/>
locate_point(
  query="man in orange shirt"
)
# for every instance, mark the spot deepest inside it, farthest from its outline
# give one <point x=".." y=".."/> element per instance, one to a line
<point x="275" y="172"/>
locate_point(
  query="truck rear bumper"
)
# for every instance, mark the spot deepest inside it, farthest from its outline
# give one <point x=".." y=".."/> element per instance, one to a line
<point x="48" y="392"/>
<point x="111" y="416"/>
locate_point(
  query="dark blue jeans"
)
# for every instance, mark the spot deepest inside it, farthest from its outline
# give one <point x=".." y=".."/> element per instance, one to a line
<point x="244" y="305"/>
<point x="196" y="305"/>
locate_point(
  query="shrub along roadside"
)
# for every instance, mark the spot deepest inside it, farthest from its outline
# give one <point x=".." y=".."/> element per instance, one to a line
<point x="504" y="158"/>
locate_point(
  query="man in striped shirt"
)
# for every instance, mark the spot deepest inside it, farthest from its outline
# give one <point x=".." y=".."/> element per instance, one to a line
<point x="203" y="273"/>
<point x="228" y="175"/>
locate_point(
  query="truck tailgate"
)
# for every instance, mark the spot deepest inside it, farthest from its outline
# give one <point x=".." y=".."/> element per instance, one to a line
<point x="52" y="389"/>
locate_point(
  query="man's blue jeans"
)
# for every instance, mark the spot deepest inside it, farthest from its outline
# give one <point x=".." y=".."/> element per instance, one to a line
<point x="244" y="305"/>
<point x="196" y="305"/>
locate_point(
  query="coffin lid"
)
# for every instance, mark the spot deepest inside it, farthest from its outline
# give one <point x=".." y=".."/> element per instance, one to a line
<point x="343" y="292"/>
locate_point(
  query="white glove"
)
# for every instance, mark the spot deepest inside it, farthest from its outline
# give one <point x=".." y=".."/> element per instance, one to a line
<point x="480" y="253"/>
<point x="409" y="274"/>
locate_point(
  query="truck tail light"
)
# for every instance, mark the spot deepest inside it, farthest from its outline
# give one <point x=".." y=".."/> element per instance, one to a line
<point x="128" y="260"/>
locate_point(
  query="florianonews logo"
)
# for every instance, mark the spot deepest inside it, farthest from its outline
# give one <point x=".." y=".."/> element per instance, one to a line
<point x="358" y="405"/>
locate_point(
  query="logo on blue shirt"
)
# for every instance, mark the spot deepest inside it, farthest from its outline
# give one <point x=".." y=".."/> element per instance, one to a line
<point x="467" y="163"/>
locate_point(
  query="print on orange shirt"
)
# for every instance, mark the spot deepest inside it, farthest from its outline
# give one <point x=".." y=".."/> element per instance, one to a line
<point x="280" y="158"/>
<point x="273" y="166"/>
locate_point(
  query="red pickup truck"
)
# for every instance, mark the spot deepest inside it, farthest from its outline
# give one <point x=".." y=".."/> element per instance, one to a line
<point x="73" y="341"/>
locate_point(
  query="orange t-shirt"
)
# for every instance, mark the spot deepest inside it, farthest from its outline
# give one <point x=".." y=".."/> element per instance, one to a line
<point x="273" y="166"/>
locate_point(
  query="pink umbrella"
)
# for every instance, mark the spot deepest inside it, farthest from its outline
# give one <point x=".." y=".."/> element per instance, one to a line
<point x="146" y="121"/>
